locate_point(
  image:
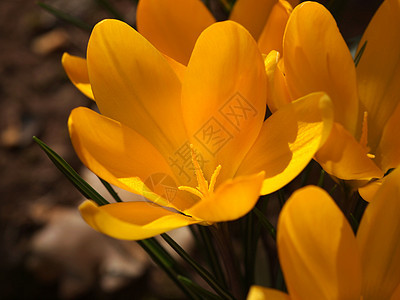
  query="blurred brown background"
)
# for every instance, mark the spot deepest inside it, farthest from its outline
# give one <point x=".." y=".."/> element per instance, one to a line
<point x="46" y="252"/>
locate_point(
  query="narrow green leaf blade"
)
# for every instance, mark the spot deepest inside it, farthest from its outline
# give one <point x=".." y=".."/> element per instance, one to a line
<point x="71" y="174"/>
<point x="65" y="16"/>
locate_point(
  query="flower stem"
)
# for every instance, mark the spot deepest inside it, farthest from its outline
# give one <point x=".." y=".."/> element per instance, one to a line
<point x="221" y="236"/>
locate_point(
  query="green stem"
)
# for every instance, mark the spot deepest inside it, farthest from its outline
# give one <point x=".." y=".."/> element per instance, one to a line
<point x="221" y="236"/>
<point x="251" y="234"/>
<point x="164" y="262"/>
<point x="204" y="294"/>
<point x="265" y="223"/>
<point x="321" y="178"/>
<point x="212" y="255"/>
<point x="199" y="269"/>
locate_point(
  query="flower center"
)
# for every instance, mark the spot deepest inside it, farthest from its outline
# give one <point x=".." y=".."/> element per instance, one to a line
<point x="364" y="135"/>
<point x="203" y="190"/>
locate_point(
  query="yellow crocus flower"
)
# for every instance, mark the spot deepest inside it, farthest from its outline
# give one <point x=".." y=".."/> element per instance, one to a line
<point x="173" y="26"/>
<point x="365" y="139"/>
<point x="203" y="134"/>
<point x="322" y="259"/>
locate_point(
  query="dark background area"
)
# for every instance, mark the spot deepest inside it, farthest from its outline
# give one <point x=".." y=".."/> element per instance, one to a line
<point x="36" y="98"/>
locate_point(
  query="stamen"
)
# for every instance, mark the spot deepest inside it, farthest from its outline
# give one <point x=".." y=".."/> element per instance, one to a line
<point x="203" y="190"/>
<point x="214" y="178"/>
<point x="364" y="131"/>
<point x="202" y="182"/>
<point x="190" y="190"/>
<point x="364" y="135"/>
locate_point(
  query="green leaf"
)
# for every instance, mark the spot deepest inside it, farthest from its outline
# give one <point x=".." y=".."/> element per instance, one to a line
<point x="199" y="269"/>
<point x="65" y="17"/>
<point x="265" y="223"/>
<point x="359" y="54"/>
<point x="204" y="294"/>
<point x="111" y="9"/>
<point x="71" y="174"/>
<point x="110" y="189"/>
<point x="167" y="263"/>
<point x="212" y="256"/>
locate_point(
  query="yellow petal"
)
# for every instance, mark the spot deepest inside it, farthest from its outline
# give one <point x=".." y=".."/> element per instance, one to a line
<point x="76" y="69"/>
<point x="388" y="152"/>
<point x="317" y="59"/>
<point x="317" y="248"/>
<point x="134" y="84"/>
<point x="271" y="37"/>
<point x="343" y="157"/>
<point x="278" y="92"/>
<point x="230" y="201"/>
<point x="252" y="14"/>
<point x="224" y="96"/>
<point x="132" y="220"/>
<point x="261" y="293"/>
<point x="288" y="141"/>
<point x="121" y="156"/>
<point x="378" y="241"/>
<point x="173" y="25"/>
<point x="177" y="67"/>
<point x="368" y="191"/>
<point x="378" y="72"/>
<point x="396" y="294"/>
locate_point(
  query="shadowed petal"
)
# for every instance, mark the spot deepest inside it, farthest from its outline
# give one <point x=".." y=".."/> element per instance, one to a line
<point x="388" y="152"/>
<point x="288" y="141"/>
<point x="317" y="59"/>
<point x="252" y="14"/>
<point x="378" y="72"/>
<point x="317" y="248"/>
<point x="224" y="96"/>
<point x="271" y="37"/>
<point x="261" y="293"/>
<point x="132" y="220"/>
<point x="120" y="155"/>
<point x="231" y="200"/>
<point x="345" y="158"/>
<point x="173" y="25"/>
<point x="76" y="69"/>
<point x="134" y="84"/>
<point x="368" y="191"/>
<point x="379" y="242"/>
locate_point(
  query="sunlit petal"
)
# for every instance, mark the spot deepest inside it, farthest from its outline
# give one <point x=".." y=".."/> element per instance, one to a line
<point x="76" y="69"/>
<point x="288" y="140"/>
<point x="317" y="248"/>
<point x="132" y="220"/>
<point x="345" y="158"/>
<point x="271" y="37"/>
<point x="135" y="85"/>
<point x="317" y="59"/>
<point x="120" y="155"/>
<point x="278" y="92"/>
<point x="224" y="96"/>
<point x="261" y="293"/>
<point x="173" y="25"/>
<point x="378" y="241"/>
<point x="378" y="72"/>
<point x="231" y="200"/>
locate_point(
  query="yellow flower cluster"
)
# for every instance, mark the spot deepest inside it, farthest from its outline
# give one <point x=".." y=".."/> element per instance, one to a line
<point x="183" y="104"/>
